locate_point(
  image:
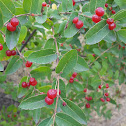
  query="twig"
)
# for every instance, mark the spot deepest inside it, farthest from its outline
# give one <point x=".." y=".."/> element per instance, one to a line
<point x="102" y="54"/>
<point x="27" y="40"/>
<point x="2" y="32"/>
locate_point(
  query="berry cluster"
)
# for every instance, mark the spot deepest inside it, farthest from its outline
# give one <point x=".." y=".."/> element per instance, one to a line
<point x="32" y="82"/>
<point x="111" y="23"/>
<point x="99" y="12"/>
<point x="10" y="53"/>
<point x="88" y="98"/>
<point x="113" y="11"/>
<point x="122" y="46"/>
<point x="28" y="64"/>
<point x="72" y="78"/>
<point x="78" y="24"/>
<point x="1" y="47"/>
<point x="51" y="94"/>
<point x="11" y="26"/>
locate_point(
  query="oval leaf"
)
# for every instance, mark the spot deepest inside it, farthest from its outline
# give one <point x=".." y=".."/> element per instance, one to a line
<point x="46" y="122"/>
<point x="122" y="35"/>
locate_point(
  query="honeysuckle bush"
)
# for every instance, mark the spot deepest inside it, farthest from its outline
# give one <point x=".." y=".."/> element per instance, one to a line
<point x="47" y="37"/>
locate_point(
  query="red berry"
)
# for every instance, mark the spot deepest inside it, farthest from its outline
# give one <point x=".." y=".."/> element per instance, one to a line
<point x="14" y="115"/>
<point x="32" y="81"/>
<point x="8" y="116"/>
<point x="107" y="94"/>
<point x="77" y="80"/>
<point x="100" y="86"/>
<point x="75" y="20"/>
<point x="28" y="64"/>
<point x="10" y="27"/>
<point x="52" y="93"/>
<point x="99" y="11"/>
<point x="24" y="84"/>
<point x="74" y="74"/>
<point x="64" y="104"/>
<point x="87" y="105"/>
<point x="28" y="84"/>
<point x="96" y="18"/>
<point x="86" y="97"/>
<point x="61" y="44"/>
<point x="93" y="55"/>
<point x="90" y="98"/>
<point x="13" y="52"/>
<point x="123" y="47"/>
<point x="106" y="5"/>
<point x="48" y="100"/>
<point x="70" y="45"/>
<point x="32" y="14"/>
<point x="23" y="42"/>
<point x="108" y="99"/>
<point x="112" y="26"/>
<point x="73" y="2"/>
<point x="85" y="90"/>
<point x="110" y="21"/>
<point x="113" y="12"/>
<point x="78" y="50"/>
<point x="107" y="85"/>
<point x="14" y="22"/>
<point x="1" y="46"/>
<point x="110" y="8"/>
<point x="71" y="81"/>
<point x="8" y="53"/>
<point x="102" y="99"/>
<point x="71" y="78"/>
<point x="79" y="24"/>
<point x="44" y="4"/>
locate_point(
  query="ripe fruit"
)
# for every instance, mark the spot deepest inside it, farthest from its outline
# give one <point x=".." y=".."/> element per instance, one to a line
<point x="24" y="84"/>
<point x="87" y="105"/>
<point x="44" y="4"/>
<point x="32" y="14"/>
<point x="10" y="27"/>
<point x="14" y="22"/>
<point x="107" y="94"/>
<point x="96" y="18"/>
<point x="113" y="12"/>
<point x="102" y="99"/>
<point x="61" y="44"/>
<point x="75" y="20"/>
<point x="14" y="115"/>
<point x="107" y="85"/>
<point x="85" y="90"/>
<point x="110" y="21"/>
<point x="73" y="2"/>
<point x="71" y="81"/>
<point x="79" y="24"/>
<point x="106" y="5"/>
<point x="28" y="64"/>
<point x="1" y="46"/>
<point x="107" y="99"/>
<point x="8" y="53"/>
<point x="13" y="52"/>
<point x="8" y="116"/>
<point x="32" y="81"/>
<point x="123" y="47"/>
<point x="52" y="93"/>
<point x="23" y="42"/>
<point x="74" y="74"/>
<point x="90" y="98"/>
<point x="64" y="103"/>
<point x="48" y="100"/>
<point x="86" y="97"/>
<point x="28" y="84"/>
<point x="71" y="78"/>
<point x="93" y="55"/>
<point x="99" y="11"/>
<point x="100" y="86"/>
<point x="112" y="26"/>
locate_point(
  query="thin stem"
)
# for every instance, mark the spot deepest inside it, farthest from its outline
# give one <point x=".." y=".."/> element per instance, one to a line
<point x="2" y="32"/>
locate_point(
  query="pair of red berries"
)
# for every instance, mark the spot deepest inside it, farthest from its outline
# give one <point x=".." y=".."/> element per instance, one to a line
<point x="11" y="26"/>
<point x="100" y="86"/>
<point x="28" y="64"/>
<point x="99" y="12"/>
<point x="51" y="94"/>
<point x="103" y="100"/>
<point x="88" y="98"/>
<point x="72" y="78"/>
<point x="32" y="82"/>
<point x="113" y="11"/>
<point x="10" y="53"/>
<point x="78" y="24"/>
<point x="111" y="23"/>
<point x="1" y="47"/>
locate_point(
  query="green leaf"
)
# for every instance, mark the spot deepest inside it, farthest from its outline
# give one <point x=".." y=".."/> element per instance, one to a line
<point x="27" y="5"/>
<point x="50" y="44"/>
<point x="14" y="65"/>
<point x="77" y="86"/>
<point x="85" y="7"/>
<point x="34" y="6"/>
<point x="74" y="111"/>
<point x="36" y="115"/>
<point x="62" y="87"/>
<point x="34" y="102"/>
<point x="46" y="122"/>
<point x="43" y="56"/>
<point x="1" y="67"/>
<point x="66" y="120"/>
<point x="67" y="63"/>
<point x="120" y="15"/>
<point x="97" y="33"/>
<point x="81" y="65"/>
<point x="45" y="88"/>
<point x="23" y="34"/>
<point x="67" y="5"/>
<point x="1" y="19"/>
<point x="121" y="3"/>
<point x="40" y="71"/>
<point x="122" y="35"/>
<point x="22" y="91"/>
<point x="12" y="38"/>
<point x="41" y="19"/>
